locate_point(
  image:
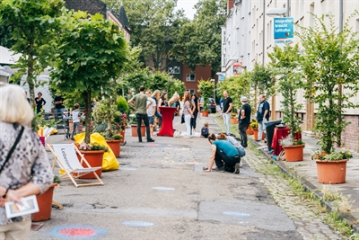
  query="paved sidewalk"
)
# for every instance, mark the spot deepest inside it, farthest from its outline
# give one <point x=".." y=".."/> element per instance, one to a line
<point x="306" y="172"/>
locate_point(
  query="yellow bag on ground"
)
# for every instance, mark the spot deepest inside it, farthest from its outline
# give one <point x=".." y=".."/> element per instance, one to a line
<point x="109" y="161"/>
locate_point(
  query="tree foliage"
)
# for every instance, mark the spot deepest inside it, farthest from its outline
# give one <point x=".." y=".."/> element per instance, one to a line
<point x="91" y="52"/>
<point x="199" y="41"/>
<point x="153" y="23"/>
<point x="331" y="59"/>
<point x="237" y="86"/>
<point x="206" y="88"/>
<point x="33" y="28"/>
<point x="286" y="65"/>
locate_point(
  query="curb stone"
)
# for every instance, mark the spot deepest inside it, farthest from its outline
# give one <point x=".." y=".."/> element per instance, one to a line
<point x="308" y="186"/>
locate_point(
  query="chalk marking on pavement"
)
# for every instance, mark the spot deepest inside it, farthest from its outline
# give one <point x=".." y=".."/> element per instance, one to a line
<point x="77" y="231"/>
<point x="236" y="214"/>
<point x="163" y="188"/>
<point x="138" y="224"/>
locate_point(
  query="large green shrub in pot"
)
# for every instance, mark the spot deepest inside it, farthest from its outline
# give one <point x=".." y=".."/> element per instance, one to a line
<point x="331" y="60"/>
<point x="285" y="64"/>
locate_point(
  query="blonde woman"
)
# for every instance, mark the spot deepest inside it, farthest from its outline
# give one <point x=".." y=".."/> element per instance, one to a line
<point x="24" y="167"/>
<point x="187" y="111"/>
<point x="156" y="96"/>
<point x="173" y="100"/>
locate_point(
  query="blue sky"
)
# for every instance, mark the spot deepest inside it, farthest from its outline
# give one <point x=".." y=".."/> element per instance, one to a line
<point x="187" y="5"/>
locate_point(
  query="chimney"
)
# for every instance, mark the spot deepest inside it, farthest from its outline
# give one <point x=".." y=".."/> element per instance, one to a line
<point x="229" y="5"/>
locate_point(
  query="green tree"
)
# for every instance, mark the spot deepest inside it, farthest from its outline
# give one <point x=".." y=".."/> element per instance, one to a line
<point x="90" y="54"/>
<point x="286" y="65"/>
<point x="237" y="86"/>
<point x="5" y="36"/>
<point x="262" y="80"/>
<point x="199" y="42"/>
<point x="33" y="28"/>
<point x="154" y="23"/>
<point x="206" y="88"/>
<point x="331" y="59"/>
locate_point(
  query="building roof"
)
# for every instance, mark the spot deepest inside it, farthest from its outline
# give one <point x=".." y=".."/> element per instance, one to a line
<point x="90" y="6"/>
<point x="122" y="17"/>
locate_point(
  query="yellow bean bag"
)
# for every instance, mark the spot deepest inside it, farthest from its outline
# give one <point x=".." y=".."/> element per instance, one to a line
<point x="109" y="161"/>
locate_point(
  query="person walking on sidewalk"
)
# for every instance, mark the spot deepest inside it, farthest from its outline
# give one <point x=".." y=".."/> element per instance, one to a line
<point x="244" y="120"/>
<point x="226" y="111"/>
<point x="151" y="110"/>
<point x="262" y="116"/>
<point x="187" y="111"/>
<point x="224" y="154"/>
<point x="139" y="102"/>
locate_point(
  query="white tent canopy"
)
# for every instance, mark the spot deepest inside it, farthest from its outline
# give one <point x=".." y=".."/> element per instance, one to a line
<point x="7" y="57"/>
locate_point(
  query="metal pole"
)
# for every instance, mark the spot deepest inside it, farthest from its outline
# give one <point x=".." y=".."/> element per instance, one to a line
<point x="340" y="87"/>
<point x="264" y="30"/>
<point x="288" y="8"/>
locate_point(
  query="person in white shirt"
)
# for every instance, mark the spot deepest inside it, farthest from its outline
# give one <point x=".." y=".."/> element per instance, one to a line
<point x="76" y="120"/>
<point x="151" y="110"/>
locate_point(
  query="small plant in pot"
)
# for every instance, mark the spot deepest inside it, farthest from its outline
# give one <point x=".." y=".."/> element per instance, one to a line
<point x="93" y="153"/>
<point x="285" y="65"/>
<point x="133" y="123"/>
<point x="254" y="126"/>
<point x="331" y="167"/>
<point x="206" y="88"/>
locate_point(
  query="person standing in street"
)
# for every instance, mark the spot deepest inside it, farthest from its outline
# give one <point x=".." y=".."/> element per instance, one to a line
<point x="262" y="116"/>
<point x="24" y="166"/>
<point x="59" y="108"/>
<point x="187" y="111"/>
<point x="195" y="110"/>
<point x="151" y="110"/>
<point x="226" y="111"/>
<point x="139" y="102"/>
<point x="244" y="120"/>
<point x="39" y="102"/>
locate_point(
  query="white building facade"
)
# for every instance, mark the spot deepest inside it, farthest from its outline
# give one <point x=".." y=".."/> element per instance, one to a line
<point x="261" y="42"/>
<point x="236" y="38"/>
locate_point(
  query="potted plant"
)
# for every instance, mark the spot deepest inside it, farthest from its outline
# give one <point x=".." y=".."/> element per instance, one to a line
<point x="331" y="168"/>
<point x="290" y="146"/>
<point x="285" y="64"/>
<point x="254" y="126"/>
<point x="115" y="144"/>
<point x="93" y="153"/>
<point x="96" y="59"/>
<point x="331" y="83"/>
<point x="206" y="88"/>
<point x="44" y="201"/>
<point x="121" y="122"/>
<point x="249" y="130"/>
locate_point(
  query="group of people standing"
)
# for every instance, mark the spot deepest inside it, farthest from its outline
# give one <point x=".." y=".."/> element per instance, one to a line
<point x="244" y="116"/>
<point x="147" y="105"/>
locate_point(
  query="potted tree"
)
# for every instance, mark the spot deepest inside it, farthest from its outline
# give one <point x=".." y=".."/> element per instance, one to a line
<point x="329" y="67"/>
<point x="124" y="109"/>
<point x="93" y="153"/>
<point x="285" y="64"/>
<point x="44" y="201"/>
<point x="91" y="52"/>
<point x="206" y="88"/>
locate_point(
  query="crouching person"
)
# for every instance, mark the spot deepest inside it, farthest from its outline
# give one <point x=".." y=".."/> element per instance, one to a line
<point x="224" y="154"/>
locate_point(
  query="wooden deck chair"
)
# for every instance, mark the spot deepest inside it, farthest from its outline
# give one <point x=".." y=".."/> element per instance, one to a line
<point x="65" y="156"/>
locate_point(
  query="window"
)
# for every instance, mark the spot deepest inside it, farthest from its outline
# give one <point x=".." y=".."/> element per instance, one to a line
<point x="192" y="91"/>
<point x="174" y="70"/>
<point x="190" y="77"/>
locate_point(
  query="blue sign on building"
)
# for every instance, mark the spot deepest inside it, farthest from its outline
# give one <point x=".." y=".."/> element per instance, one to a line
<point x="221" y="77"/>
<point x="283" y="30"/>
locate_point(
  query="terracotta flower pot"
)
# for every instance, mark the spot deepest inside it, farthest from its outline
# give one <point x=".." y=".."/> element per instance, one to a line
<point x="115" y="146"/>
<point x="332" y="172"/>
<point x="293" y="153"/>
<point x="249" y="130"/>
<point x="94" y="158"/>
<point x="134" y="130"/>
<point x="255" y="134"/>
<point x="45" y="205"/>
<point x="204" y="113"/>
<point x="123" y="136"/>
